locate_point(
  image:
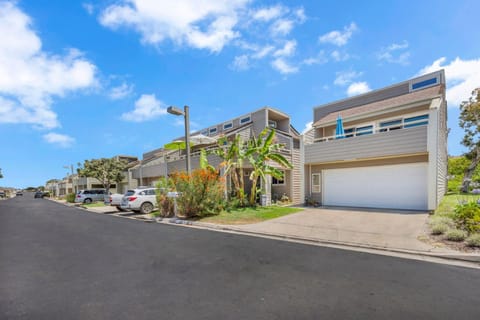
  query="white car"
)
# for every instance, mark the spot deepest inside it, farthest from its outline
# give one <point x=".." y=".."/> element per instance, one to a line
<point x="142" y="200"/>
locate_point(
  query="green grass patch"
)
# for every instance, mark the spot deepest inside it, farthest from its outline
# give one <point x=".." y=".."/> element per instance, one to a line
<point x="250" y="215"/>
<point x="450" y="201"/>
<point x="94" y="204"/>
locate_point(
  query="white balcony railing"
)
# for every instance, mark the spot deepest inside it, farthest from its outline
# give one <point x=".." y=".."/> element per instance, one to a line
<point x="420" y="122"/>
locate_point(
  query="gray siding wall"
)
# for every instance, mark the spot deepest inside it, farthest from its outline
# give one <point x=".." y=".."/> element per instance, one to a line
<point x="259" y="119"/>
<point x="179" y="165"/>
<point x="398" y="142"/>
<point x="309" y="136"/>
<point x="150" y="171"/>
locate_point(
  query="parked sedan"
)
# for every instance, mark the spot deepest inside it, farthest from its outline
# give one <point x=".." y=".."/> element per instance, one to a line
<point x="140" y="200"/>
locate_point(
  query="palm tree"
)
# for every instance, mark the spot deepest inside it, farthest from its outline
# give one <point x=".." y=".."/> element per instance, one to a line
<point x="261" y="153"/>
<point x="233" y="155"/>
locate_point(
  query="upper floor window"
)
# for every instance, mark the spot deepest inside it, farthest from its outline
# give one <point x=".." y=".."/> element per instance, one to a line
<point x="227" y="125"/>
<point x="424" y="83"/>
<point x="360" y="131"/>
<point x="272" y="124"/>
<point x="212" y="130"/>
<point x="245" y="119"/>
<point x="415" y="121"/>
<point x="391" y="125"/>
<point x="204" y="132"/>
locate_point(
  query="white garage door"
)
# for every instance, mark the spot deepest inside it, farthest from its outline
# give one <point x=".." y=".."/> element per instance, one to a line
<point x="395" y="186"/>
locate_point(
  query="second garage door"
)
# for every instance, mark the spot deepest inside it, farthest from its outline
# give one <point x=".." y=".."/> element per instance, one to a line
<point x="401" y="186"/>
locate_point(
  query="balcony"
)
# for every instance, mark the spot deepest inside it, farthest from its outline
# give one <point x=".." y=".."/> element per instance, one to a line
<point x="379" y="143"/>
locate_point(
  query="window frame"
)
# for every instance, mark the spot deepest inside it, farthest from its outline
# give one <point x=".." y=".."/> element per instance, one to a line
<point x="212" y="130"/>
<point x="244" y="120"/>
<point x="319" y="185"/>
<point x="270" y="122"/>
<point x="230" y="124"/>
<point x="282" y="181"/>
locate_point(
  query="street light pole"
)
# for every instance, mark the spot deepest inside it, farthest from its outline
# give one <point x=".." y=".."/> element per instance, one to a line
<point x="186" y="114"/>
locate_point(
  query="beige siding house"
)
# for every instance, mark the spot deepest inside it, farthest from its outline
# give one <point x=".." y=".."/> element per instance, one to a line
<point x="393" y="153"/>
<point x="160" y="162"/>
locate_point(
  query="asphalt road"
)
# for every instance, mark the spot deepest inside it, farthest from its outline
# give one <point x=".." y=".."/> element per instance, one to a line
<point x="58" y="262"/>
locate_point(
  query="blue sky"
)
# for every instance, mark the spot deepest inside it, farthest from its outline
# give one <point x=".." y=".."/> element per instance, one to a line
<point x="83" y="79"/>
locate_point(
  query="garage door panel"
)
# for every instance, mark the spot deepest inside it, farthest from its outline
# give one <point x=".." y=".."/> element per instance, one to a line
<point x="394" y="186"/>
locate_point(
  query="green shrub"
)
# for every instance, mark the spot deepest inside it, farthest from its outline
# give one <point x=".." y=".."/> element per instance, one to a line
<point x="456" y="235"/>
<point x="442" y="220"/>
<point x="201" y="193"/>
<point x="439" y="228"/>
<point x="474" y="240"/>
<point x="70" y="197"/>
<point x="467" y="217"/>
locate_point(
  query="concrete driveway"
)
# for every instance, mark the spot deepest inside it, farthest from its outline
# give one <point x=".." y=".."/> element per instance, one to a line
<point x="371" y="228"/>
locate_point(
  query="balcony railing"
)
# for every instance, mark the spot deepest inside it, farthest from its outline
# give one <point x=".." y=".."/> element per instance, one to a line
<point x="383" y="129"/>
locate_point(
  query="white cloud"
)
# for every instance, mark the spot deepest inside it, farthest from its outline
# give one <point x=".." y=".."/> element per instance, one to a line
<point x="337" y="37"/>
<point x="357" y="88"/>
<point x="30" y="78"/>
<point x="199" y="24"/>
<point x="283" y="67"/>
<point x="395" y="53"/>
<point x="287" y="50"/>
<point x="268" y="14"/>
<point x="345" y="77"/>
<point x="263" y="52"/>
<point x="339" y="56"/>
<point x="462" y="77"/>
<point x="88" y="7"/>
<point x="320" y="58"/>
<point x="147" y="107"/>
<point x="282" y="27"/>
<point x="60" y="140"/>
<point x="241" y="63"/>
<point x="120" y="91"/>
<point x="308" y="126"/>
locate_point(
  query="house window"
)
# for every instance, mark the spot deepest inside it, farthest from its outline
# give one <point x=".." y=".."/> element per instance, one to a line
<point x="227" y="125"/>
<point x="360" y="131"/>
<point x="349" y="132"/>
<point x="212" y="130"/>
<point x="391" y="125"/>
<point x="245" y="119"/>
<point x="272" y="124"/>
<point x="316" y="182"/>
<point x="204" y="132"/>
<point x="424" y="83"/>
<point x="279" y="182"/>
<point x="415" y="121"/>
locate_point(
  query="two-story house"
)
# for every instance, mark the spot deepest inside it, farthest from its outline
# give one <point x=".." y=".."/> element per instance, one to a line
<point x="393" y="153"/>
<point x="160" y="162"/>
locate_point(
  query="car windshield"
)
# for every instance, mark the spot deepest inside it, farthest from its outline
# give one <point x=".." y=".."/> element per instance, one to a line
<point x="130" y="193"/>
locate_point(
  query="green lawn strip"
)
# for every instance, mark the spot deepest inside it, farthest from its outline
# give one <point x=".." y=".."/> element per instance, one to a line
<point x="249" y="215"/>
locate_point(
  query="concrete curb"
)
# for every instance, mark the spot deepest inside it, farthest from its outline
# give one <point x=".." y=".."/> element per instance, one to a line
<point x="472" y="259"/>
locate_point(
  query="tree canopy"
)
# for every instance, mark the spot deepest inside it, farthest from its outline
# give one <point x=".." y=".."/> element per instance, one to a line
<point x="470" y="123"/>
<point x="105" y="170"/>
<point x="1" y="175"/>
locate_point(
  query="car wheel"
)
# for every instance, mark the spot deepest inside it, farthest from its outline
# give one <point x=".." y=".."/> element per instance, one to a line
<point x="146" y="208"/>
<point x="88" y="200"/>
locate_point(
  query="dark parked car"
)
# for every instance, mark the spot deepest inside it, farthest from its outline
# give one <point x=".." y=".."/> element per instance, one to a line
<point x="19" y="193"/>
<point x="41" y="194"/>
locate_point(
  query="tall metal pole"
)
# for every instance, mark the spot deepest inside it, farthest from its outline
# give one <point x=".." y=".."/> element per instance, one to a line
<point x="187" y="136"/>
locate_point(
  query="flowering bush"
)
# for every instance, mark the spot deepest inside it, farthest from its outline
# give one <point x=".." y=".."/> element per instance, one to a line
<point x="467" y="217"/>
<point x="201" y="193"/>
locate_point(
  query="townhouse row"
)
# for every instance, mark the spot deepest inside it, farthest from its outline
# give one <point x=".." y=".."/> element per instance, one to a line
<point x="392" y="154"/>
